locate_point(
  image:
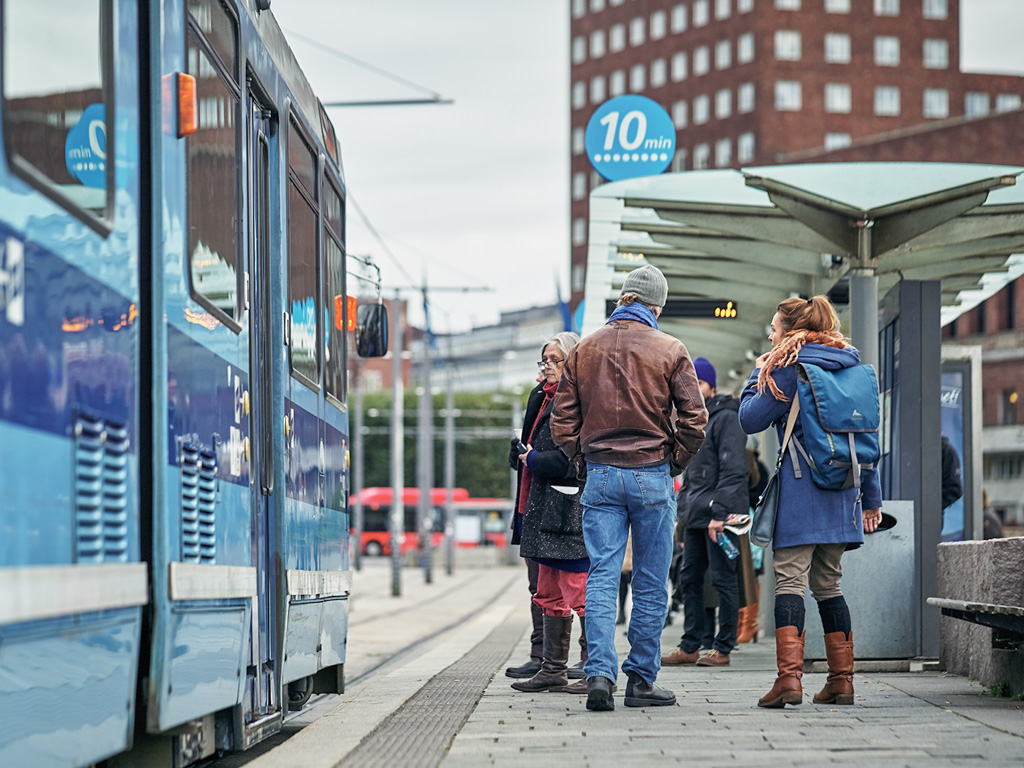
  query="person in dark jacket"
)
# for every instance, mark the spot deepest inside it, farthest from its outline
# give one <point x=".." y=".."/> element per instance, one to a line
<point x="813" y="526"/>
<point x="952" y="484"/>
<point x="630" y="408"/>
<point x="551" y="527"/>
<point x="715" y="487"/>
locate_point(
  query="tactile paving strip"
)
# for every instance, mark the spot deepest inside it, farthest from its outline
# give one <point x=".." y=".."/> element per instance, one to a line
<point x="418" y="733"/>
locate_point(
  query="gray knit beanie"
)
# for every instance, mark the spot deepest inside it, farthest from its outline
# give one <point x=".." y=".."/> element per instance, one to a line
<point x="649" y="285"/>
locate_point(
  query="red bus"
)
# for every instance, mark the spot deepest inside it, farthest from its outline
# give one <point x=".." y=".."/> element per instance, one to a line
<point x="477" y="520"/>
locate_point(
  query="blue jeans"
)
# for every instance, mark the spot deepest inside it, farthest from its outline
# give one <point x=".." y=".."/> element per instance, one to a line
<point x="616" y="500"/>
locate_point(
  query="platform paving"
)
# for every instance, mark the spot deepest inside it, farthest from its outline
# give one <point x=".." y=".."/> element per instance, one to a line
<point x="899" y="718"/>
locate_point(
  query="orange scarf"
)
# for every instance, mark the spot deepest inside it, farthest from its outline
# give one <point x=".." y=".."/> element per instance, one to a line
<point x="786" y="351"/>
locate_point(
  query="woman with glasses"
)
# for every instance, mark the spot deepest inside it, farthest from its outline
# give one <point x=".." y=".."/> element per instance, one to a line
<point x="549" y="524"/>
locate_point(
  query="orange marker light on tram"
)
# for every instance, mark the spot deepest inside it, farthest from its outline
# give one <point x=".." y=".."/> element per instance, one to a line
<point x="188" y="117"/>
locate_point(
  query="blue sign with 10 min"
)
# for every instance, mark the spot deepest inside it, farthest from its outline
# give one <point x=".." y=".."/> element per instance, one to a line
<point x="630" y="136"/>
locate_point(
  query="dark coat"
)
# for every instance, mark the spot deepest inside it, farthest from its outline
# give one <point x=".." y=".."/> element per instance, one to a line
<point x="808" y="514"/>
<point x="552" y="527"/>
<point x="715" y="482"/>
<point x="952" y="485"/>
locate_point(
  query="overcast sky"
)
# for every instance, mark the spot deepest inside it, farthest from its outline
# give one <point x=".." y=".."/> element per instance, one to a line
<point x="476" y="194"/>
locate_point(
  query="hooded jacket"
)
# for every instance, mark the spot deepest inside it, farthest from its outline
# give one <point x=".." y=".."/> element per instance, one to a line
<point x="808" y="514"/>
<point x="715" y="483"/>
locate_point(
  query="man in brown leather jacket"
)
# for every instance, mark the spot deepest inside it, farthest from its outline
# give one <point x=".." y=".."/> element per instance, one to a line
<point x="621" y="388"/>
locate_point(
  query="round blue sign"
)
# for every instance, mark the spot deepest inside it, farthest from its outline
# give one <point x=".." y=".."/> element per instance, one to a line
<point x="85" y="149"/>
<point x="630" y="136"/>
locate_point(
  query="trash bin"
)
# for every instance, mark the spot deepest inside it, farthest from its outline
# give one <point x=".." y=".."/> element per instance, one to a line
<point x="879" y="586"/>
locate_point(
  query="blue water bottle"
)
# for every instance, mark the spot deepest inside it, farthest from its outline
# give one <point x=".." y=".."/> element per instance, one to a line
<point x="727" y="546"/>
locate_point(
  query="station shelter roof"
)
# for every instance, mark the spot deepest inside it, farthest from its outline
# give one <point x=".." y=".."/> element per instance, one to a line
<point x="756" y="236"/>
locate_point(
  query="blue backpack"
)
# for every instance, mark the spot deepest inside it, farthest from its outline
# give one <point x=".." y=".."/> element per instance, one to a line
<point x="839" y="414"/>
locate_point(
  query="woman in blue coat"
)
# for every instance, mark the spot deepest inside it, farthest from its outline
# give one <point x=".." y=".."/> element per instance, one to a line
<point x="814" y="526"/>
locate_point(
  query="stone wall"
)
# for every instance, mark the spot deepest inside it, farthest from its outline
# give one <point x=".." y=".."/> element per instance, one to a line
<point x="987" y="572"/>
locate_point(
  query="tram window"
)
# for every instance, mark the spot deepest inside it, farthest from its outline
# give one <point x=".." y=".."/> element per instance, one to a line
<point x="301" y="160"/>
<point x="302" y="282"/>
<point x="212" y="153"/>
<point x="335" y="310"/>
<point x="57" y="108"/>
<point x="218" y="28"/>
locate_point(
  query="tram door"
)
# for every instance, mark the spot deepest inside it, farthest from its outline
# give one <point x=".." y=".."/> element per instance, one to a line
<point x="260" y="700"/>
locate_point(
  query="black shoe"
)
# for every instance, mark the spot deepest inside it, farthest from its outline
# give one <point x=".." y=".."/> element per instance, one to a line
<point x="640" y="694"/>
<point x="529" y="669"/>
<point x="599" y="694"/>
<point x="576" y="672"/>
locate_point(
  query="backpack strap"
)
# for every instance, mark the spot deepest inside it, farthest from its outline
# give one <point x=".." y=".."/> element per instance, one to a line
<point x="794" y="409"/>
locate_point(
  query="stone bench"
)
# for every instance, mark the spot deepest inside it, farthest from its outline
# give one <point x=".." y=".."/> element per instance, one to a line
<point x="981" y="595"/>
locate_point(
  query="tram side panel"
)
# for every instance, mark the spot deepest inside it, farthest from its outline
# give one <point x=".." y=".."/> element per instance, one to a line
<point x="72" y="585"/>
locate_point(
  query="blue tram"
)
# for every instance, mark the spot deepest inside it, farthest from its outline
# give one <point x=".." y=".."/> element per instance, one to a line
<point x="174" y="332"/>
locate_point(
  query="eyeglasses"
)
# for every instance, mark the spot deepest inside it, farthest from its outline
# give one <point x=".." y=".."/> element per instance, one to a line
<point x="542" y="364"/>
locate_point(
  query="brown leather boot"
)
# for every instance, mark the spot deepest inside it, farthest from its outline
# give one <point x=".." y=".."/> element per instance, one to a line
<point x="553" y="674"/>
<point x="789" y="655"/>
<point x="576" y="670"/>
<point x="839" y="652"/>
<point x="747" y="624"/>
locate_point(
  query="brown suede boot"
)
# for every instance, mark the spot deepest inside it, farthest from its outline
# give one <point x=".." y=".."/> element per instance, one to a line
<point x="789" y="655"/>
<point x="747" y="624"/>
<point x="576" y="670"/>
<point x="839" y="652"/>
<point x="553" y="669"/>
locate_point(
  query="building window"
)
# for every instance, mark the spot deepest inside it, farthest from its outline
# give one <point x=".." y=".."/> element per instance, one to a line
<point x="578" y="141"/>
<point x="837" y="6"/>
<point x="679" y="160"/>
<point x="597" y="44"/>
<point x="723" y="54"/>
<point x="1011" y="307"/>
<point x="788" y="96"/>
<point x="617" y="83"/>
<point x="579" y="95"/>
<point x="976" y="104"/>
<point x="745" y="48"/>
<point x="887" y="100"/>
<point x="787" y="5"/>
<point x="1007" y="101"/>
<point x="936" y="54"/>
<point x="787" y="45"/>
<point x="936" y="103"/>
<point x="837" y="48"/>
<point x="745" y="98"/>
<point x="657" y="25"/>
<point x="617" y="38"/>
<point x="701" y="110"/>
<point x="701" y="155"/>
<point x="887" y="7"/>
<point x="837" y="140"/>
<point x="637" y="77"/>
<point x="1008" y="417"/>
<point x="887" y="51"/>
<point x="659" y="73"/>
<point x="723" y="8"/>
<point x="700" y="13"/>
<point x="579" y="50"/>
<point x="679" y="69"/>
<point x="744" y="6"/>
<point x="723" y="104"/>
<point x="701" y="61"/>
<point x="745" y="148"/>
<point x="579" y="231"/>
<point x="680" y="114"/>
<point x="579" y="186"/>
<point x="837" y="98"/>
<point x="579" y="8"/>
<point x="723" y="153"/>
<point x="636" y="32"/>
<point x="616" y="3"/>
<point x="597" y="90"/>
<point x="678" y="19"/>
<point x="596" y="6"/>
<point x="936" y="9"/>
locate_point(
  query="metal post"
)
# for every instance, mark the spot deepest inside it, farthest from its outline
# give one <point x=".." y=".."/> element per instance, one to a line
<point x="396" y="524"/>
<point x="449" y="473"/>
<point x="359" y="521"/>
<point x="864" y="314"/>
<point x="425" y="468"/>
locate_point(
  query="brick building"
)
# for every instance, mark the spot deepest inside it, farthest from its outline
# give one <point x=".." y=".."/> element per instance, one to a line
<point x="758" y="82"/>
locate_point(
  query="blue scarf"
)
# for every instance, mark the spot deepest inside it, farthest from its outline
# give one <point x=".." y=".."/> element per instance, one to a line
<point x="634" y="311"/>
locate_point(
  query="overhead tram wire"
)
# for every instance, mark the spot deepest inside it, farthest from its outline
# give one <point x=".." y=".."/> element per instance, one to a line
<point x="435" y="97"/>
